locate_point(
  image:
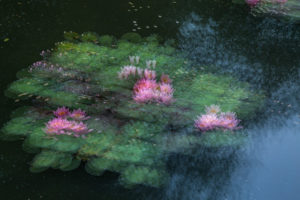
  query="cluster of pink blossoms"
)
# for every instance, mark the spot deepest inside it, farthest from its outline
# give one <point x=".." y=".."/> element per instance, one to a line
<point x="148" y="90"/>
<point x="64" y="112"/>
<point x="62" y="126"/>
<point x="215" y="119"/>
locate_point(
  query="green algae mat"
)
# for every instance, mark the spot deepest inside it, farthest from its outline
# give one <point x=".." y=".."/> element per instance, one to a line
<point x="85" y="104"/>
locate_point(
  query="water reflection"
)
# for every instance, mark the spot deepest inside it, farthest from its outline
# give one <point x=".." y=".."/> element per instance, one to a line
<point x="273" y="170"/>
<point x="262" y="52"/>
<point x="267" y="167"/>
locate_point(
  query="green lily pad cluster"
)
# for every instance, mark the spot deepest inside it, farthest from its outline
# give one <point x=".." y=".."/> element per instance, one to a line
<point x="129" y="138"/>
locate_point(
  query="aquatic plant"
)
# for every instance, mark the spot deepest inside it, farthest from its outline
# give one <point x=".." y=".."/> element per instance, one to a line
<point x="212" y="109"/>
<point x="78" y="115"/>
<point x="132" y="118"/>
<point x="214" y="119"/>
<point x="106" y="40"/>
<point x="62" y="126"/>
<point x="165" y="79"/>
<point x="151" y="63"/>
<point x="62" y="112"/>
<point x="149" y="74"/>
<point x="148" y="90"/>
<point x="90" y="37"/>
<point x="71" y="36"/>
<point x="127" y="71"/>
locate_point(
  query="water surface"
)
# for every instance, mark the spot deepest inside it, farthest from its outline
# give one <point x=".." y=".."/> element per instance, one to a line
<point x="264" y="51"/>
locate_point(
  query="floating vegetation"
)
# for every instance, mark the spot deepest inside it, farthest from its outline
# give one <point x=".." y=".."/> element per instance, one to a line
<point x="123" y="106"/>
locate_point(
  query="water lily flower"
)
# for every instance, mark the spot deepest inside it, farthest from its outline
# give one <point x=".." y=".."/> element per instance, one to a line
<point x="149" y="74"/>
<point x="228" y="115"/>
<point x="148" y="90"/>
<point x="62" y="112"/>
<point x="206" y="122"/>
<point x="153" y="63"/>
<point x="145" y="84"/>
<point x="140" y="72"/>
<point x="58" y="126"/>
<point x="79" y="115"/>
<point x="213" y="109"/>
<point x="230" y="124"/>
<point x="137" y="59"/>
<point x="213" y="120"/>
<point x="126" y="71"/>
<point x="148" y="63"/>
<point x="79" y="128"/>
<point x="166" y="88"/>
<point x="166" y="98"/>
<point x="145" y="95"/>
<point x="165" y="79"/>
<point x="131" y="59"/>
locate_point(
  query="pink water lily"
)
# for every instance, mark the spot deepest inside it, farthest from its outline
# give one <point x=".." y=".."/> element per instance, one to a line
<point x="145" y="84"/>
<point x="62" y="112"/>
<point x="166" y="98"/>
<point x="165" y="79"/>
<point x="212" y="109"/>
<point x="148" y="90"/>
<point x="62" y="126"/>
<point x="206" y="122"/>
<point x="145" y="95"/>
<point x="149" y="74"/>
<point x="214" y="120"/>
<point x="78" y="115"/>
<point x="58" y="126"/>
<point x="230" y="124"/>
<point x="166" y="88"/>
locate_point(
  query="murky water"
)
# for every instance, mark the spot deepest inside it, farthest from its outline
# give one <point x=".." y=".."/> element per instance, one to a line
<point x="263" y="51"/>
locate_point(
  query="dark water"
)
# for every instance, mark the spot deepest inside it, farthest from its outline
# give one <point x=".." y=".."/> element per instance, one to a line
<point x="263" y="51"/>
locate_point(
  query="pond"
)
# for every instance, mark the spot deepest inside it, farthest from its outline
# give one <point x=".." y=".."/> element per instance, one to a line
<point x="223" y="37"/>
